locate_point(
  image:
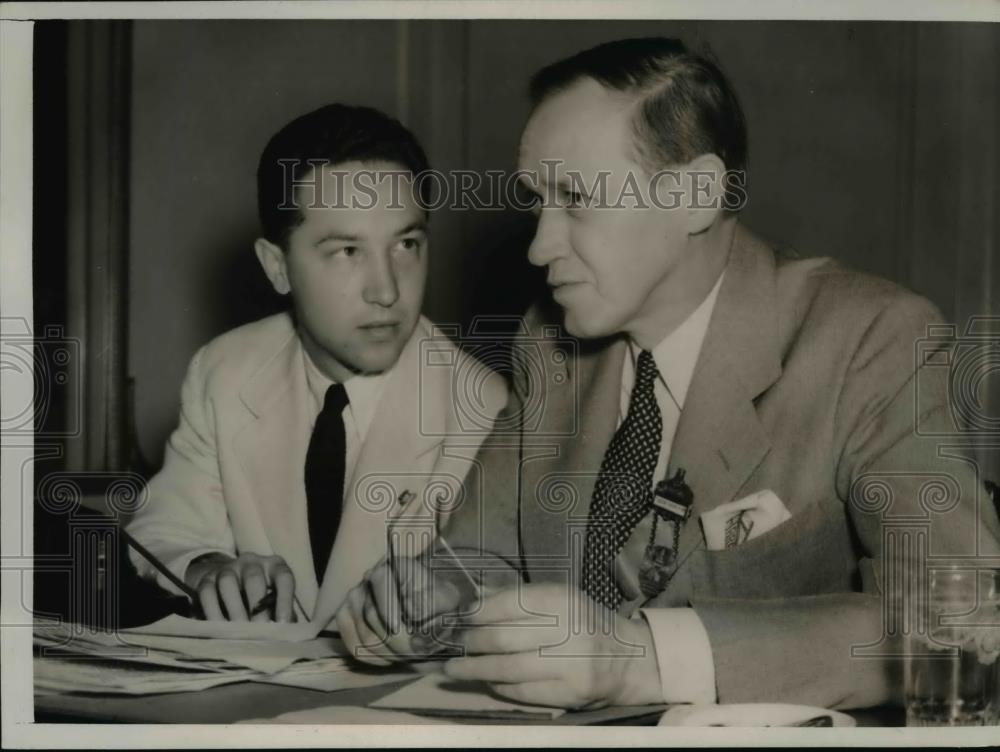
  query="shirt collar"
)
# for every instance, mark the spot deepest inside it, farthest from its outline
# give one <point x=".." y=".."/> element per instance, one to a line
<point x="363" y="392"/>
<point x="677" y="354"/>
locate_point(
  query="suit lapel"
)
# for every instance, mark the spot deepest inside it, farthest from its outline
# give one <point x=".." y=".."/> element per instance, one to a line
<point x="719" y="440"/>
<point x="397" y="455"/>
<point x="272" y="448"/>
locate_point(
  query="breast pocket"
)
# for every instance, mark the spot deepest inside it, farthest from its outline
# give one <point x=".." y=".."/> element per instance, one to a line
<point x="807" y="554"/>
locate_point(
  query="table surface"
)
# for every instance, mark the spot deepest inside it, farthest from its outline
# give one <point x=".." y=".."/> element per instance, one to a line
<point x="234" y="702"/>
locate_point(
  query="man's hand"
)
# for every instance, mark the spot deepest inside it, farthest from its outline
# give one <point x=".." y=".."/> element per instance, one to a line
<point x="229" y="589"/>
<point x="404" y="612"/>
<point x="552" y="645"/>
<point x="378" y="620"/>
<point x="369" y="621"/>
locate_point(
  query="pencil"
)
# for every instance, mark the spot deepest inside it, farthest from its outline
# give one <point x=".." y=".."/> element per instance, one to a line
<point x="267" y="602"/>
<point x="189" y="591"/>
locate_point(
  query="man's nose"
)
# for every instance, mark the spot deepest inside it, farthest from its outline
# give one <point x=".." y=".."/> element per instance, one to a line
<point x="381" y="287"/>
<point x="549" y="241"/>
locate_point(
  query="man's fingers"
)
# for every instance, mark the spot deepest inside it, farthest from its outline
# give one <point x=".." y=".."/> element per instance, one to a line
<point x="508" y="638"/>
<point x="384" y="598"/>
<point x="348" y="630"/>
<point x="373" y="621"/>
<point x="255" y="587"/>
<point x="427" y="593"/>
<point x="232" y="598"/>
<point x="363" y="640"/>
<point x="516" y="668"/>
<point x="381" y="641"/>
<point x="413" y="580"/>
<point x="208" y="597"/>
<point x="548" y="692"/>
<point x="446" y="595"/>
<point x="538" y="605"/>
<point x="510" y="605"/>
<point x="284" y="585"/>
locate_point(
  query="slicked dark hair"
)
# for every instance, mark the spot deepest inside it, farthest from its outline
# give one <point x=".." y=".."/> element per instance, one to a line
<point x="331" y="135"/>
<point x="685" y="105"/>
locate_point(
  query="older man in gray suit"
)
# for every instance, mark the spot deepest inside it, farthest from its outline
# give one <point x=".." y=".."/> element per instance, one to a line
<point x="731" y="473"/>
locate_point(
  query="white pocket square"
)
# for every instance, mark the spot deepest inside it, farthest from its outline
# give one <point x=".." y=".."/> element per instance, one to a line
<point x="729" y="525"/>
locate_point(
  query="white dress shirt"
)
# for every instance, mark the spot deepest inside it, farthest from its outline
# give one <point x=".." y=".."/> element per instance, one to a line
<point x="363" y="394"/>
<point x="679" y="637"/>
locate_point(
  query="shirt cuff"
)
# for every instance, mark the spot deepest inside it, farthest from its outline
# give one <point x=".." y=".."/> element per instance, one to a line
<point x="683" y="653"/>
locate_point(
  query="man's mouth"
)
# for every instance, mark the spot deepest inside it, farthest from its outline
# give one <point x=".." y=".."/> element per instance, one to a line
<point x="380" y="329"/>
<point x="564" y="286"/>
<point x="556" y="283"/>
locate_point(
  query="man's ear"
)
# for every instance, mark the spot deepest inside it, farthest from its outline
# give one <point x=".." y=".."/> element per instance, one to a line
<point x="705" y="184"/>
<point x="272" y="261"/>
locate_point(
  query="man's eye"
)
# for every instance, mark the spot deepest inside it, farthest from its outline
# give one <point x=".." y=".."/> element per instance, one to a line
<point x="409" y="244"/>
<point x="345" y="250"/>
<point x="574" y="199"/>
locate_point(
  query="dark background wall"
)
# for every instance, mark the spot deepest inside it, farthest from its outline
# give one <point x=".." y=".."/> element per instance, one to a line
<point x="872" y="142"/>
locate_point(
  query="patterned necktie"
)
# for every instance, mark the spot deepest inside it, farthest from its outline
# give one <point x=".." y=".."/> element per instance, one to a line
<point x="623" y="492"/>
<point x="325" y="462"/>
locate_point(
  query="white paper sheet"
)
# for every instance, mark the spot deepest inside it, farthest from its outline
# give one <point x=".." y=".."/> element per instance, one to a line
<point x="180" y="626"/>
<point x="438" y="693"/>
<point x="118" y="677"/>
<point x="342" y="714"/>
<point x="148" y="643"/>
<point x="77" y="659"/>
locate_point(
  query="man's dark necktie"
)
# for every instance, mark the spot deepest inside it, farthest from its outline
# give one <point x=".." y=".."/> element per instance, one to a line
<point x="623" y="492"/>
<point x="325" y="476"/>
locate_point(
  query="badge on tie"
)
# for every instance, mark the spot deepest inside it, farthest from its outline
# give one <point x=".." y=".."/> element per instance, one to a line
<point x="673" y="498"/>
<point x="672" y="502"/>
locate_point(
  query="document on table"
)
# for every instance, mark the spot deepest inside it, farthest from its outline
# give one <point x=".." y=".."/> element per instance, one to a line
<point x="262" y="655"/>
<point x="74" y="658"/>
<point x="180" y="626"/>
<point x="436" y="694"/>
<point x="348" y="714"/>
<point x="156" y="641"/>
<point x="54" y="675"/>
<point x="327" y="676"/>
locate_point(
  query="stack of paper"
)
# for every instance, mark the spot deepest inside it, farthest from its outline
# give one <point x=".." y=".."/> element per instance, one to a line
<point x="183" y="655"/>
<point x="55" y="675"/>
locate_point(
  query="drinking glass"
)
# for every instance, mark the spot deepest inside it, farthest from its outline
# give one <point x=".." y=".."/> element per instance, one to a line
<point x="951" y="673"/>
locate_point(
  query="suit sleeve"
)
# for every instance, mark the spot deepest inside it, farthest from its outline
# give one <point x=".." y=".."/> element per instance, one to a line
<point x="487" y="518"/>
<point x="185" y="515"/>
<point x="897" y="480"/>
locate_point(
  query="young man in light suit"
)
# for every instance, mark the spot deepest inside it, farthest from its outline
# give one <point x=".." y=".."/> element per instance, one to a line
<point x="787" y="390"/>
<point x="303" y="435"/>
